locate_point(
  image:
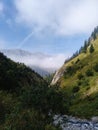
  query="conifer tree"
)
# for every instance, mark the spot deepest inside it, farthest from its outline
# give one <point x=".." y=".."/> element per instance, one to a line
<point x="91" y="48"/>
<point x="85" y="47"/>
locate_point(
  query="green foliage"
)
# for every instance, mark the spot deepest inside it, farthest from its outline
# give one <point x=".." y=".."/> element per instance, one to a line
<point x="95" y="33"/>
<point x="84" y="48"/>
<point x="91" y="50"/>
<point x="26" y="101"/>
<point x="75" y="89"/>
<point x="2" y="112"/>
<point x="14" y="75"/>
<point x="30" y="109"/>
<point x="89" y="72"/>
<point x="85" y="82"/>
<point x="80" y="79"/>
<point x="49" y="78"/>
<point x="50" y="127"/>
<point x="96" y="67"/>
<point x="80" y="76"/>
<point x="77" y="61"/>
<point x="70" y="70"/>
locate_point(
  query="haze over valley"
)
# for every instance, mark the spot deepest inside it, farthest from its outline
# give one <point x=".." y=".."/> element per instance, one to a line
<point x="42" y="63"/>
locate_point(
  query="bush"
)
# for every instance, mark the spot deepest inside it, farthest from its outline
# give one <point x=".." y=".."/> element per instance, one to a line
<point x="89" y="72"/>
<point x="79" y="82"/>
<point x="91" y="48"/>
<point x="77" y="61"/>
<point x="85" y="82"/>
<point x="70" y="70"/>
<point x="96" y="67"/>
<point x="75" y="89"/>
<point x="2" y="112"/>
<point x="80" y="76"/>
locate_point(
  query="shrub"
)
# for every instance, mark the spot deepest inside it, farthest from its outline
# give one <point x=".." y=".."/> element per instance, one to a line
<point x="96" y="67"/>
<point x="89" y="72"/>
<point x="80" y="76"/>
<point x="70" y="70"/>
<point x="77" y="60"/>
<point x="85" y="82"/>
<point x="2" y="112"/>
<point x="88" y="88"/>
<point x="91" y="48"/>
<point x="75" y="89"/>
<point x="79" y="82"/>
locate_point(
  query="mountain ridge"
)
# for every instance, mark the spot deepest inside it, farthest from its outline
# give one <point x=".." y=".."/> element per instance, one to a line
<point x="16" y="74"/>
<point x="28" y="59"/>
<point x="61" y="70"/>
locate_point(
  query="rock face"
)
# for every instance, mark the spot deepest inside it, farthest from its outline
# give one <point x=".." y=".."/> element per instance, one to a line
<point x="72" y="123"/>
<point x="57" y="76"/>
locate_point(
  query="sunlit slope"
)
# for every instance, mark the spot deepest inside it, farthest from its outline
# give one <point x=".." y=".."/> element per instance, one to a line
<point x="79" y="81"/>
<point x="80" y="64"/>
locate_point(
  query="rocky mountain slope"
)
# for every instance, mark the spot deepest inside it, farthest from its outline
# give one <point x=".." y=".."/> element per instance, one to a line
<point x="78" y="78"/>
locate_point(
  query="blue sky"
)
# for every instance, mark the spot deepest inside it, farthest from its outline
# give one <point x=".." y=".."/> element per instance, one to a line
<point x="47" y="26"/>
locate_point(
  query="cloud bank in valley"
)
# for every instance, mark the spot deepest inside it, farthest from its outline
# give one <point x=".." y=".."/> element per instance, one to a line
<point x="40" y="60"/>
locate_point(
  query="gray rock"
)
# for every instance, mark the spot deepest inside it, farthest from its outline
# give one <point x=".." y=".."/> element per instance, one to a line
<point x="57" y="76"/>
<point x="94" y="119"/>
<point x="73" y="123"/>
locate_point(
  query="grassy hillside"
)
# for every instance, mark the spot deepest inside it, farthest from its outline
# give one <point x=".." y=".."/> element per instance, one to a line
<point x="80" y="82"/>
<point x="25" y="98"/>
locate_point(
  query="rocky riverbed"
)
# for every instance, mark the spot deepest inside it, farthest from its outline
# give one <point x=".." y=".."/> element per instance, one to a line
<point x="73" y="123"/>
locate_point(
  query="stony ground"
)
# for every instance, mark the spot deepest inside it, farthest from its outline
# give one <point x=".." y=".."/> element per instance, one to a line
<point x="72" y="123"/>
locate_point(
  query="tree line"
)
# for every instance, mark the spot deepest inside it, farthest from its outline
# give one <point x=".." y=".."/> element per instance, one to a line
<point x="87" y="43"/>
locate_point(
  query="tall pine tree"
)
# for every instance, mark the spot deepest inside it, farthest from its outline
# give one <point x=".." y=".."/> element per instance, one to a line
<point x="91" y="48"/>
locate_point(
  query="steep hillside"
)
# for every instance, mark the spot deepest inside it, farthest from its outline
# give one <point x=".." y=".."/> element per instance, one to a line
<point x="14" y="75"/>
<point x="78" y="79"/>
<point x="25" y="98"/>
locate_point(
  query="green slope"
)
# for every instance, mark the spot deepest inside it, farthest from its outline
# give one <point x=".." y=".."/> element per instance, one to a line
<point x="25" y="98"/>
<point x="14" y="75"/>
<point x="80" y="82"/>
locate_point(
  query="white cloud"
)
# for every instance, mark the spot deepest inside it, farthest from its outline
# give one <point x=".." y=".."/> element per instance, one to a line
<point x="46" y="62"/>
<point x="52" y="62"/>
<point x="40" y="60"/>
<point x="63" y="17"/>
